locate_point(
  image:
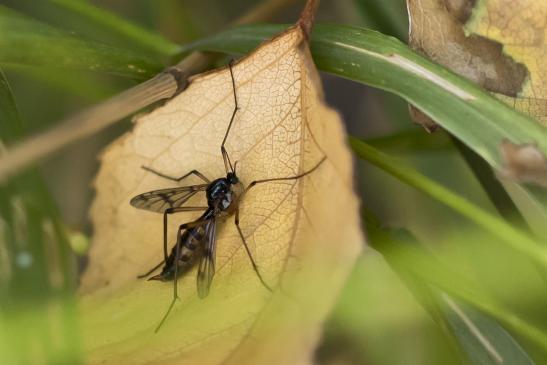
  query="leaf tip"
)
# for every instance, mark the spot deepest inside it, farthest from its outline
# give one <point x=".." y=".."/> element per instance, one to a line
<point x="307" y="17"/>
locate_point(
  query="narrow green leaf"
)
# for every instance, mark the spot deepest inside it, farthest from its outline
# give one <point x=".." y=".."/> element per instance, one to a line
<point x="412" y="141"/>
<point x="121" y="28"/>
<point x="492" y="186"/>
<point x="25" y="41"/>
<point x="10" y="127"/>
<point x="83" y="84"/>
<point x="482" y="338"/>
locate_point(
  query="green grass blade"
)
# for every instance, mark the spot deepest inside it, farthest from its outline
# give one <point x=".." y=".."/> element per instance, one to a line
<point x="24" y="41"/>
<point x="11" y="127"/>
<point x="37" y="309"/>
<point x="120" y="28"/>
<point x="507" y="234"/>
<point x="493" y="188"/>
<point x="410" y="141"/>
<point x="484" y="341"/>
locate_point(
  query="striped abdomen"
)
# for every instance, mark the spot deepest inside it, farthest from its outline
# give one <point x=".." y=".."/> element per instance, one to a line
<point x="191" y="246"/>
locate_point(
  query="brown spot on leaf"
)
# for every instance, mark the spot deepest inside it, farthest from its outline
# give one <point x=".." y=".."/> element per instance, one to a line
<point x="524" y="163"/>
<point x="420" y="118"/>
<point x="460" y="9"/>
<point x="437" y="31"/>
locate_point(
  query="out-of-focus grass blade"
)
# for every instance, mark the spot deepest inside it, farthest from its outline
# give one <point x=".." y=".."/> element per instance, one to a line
<point x="37" y="278"/>
<point x="85" y="85"/>
<point x="124" y="29"/>
<point x="480" y="336"/>
<point x="25" y="41"/>
<point x="413" y="140"/>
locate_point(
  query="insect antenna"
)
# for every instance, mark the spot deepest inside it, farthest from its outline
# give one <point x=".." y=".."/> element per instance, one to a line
<point x="227" y="163"/>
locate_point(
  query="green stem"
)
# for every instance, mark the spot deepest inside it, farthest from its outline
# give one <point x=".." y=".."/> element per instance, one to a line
<point x="505" y="232"/>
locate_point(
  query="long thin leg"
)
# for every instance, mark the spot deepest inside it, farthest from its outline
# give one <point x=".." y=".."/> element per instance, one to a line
<point x="172" y="211"/>
<point x="182" y="228"/>
<point x="255" y="267"/>
<point x="165" y="315"/>
<point x="296" y="177"/>
<point x="175" y="294"/>
<point x="226" y="158"/>
<point x="177" y="179"/>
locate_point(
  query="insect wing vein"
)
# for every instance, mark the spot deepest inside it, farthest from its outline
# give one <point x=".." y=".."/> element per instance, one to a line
<point x="160" y="200"/>
<point x="206" y="269"/>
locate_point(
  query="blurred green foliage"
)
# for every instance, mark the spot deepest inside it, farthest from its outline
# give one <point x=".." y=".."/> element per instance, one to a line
<point x="37" y="276"/>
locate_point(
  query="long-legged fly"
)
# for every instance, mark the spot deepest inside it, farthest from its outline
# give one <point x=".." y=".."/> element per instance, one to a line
<point x="196" y="240"/>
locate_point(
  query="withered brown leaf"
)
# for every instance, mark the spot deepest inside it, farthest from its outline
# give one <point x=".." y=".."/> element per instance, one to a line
<point x="499" y="44"/>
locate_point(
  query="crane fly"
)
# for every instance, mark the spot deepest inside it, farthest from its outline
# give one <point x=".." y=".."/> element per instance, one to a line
<point x="196" y="240"/>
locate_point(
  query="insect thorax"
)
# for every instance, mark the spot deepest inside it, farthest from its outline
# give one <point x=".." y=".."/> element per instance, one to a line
<point x="223" y="195"/>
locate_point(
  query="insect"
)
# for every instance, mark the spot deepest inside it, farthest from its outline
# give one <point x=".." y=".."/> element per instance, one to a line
<point x="196" y="240"/>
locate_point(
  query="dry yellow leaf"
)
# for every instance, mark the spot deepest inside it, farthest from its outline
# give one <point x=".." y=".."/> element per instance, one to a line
<point x="304" y="234"/>
<point x="499" y="44"/>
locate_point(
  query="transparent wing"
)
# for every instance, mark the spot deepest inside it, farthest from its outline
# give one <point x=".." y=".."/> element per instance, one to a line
<point x="160" y="200"/>
<point x="206" y="269"/>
